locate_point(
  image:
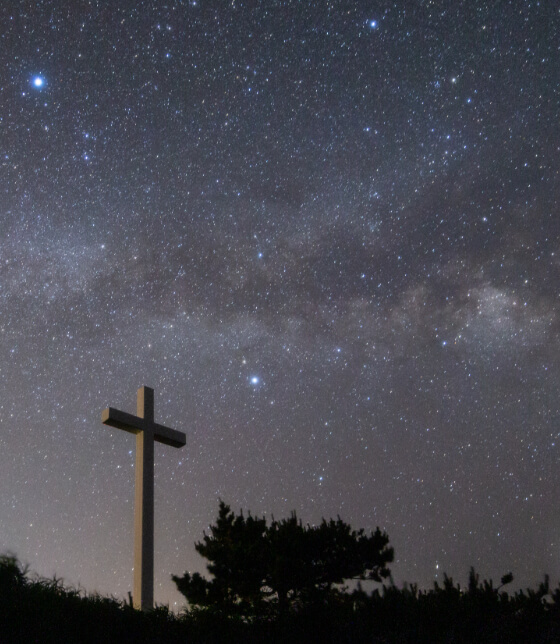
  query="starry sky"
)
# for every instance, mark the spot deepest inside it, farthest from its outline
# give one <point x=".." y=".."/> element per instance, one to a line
<point x="326" y="233"/>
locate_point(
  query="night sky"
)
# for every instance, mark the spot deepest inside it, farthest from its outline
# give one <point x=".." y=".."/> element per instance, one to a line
<point x="326" y="233"/>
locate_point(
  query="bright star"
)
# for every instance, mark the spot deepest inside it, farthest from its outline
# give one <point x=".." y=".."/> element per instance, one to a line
<point x="38" y="82"/>
<point x="373" y="24"/>
<point x="254" y="380"/>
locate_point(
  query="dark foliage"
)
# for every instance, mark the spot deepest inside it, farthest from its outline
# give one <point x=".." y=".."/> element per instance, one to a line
<point x="305" y="562"/>
<point x="448" y="613"/>
<point x="44" y="611"/>
<point x="258" y="569"/>
<point x="236" y="560"/>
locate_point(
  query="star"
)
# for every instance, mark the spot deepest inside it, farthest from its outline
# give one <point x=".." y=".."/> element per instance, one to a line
<point x="38" y="82"/>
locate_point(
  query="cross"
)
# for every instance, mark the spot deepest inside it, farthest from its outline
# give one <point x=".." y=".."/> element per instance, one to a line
<point x="147" y="431"/>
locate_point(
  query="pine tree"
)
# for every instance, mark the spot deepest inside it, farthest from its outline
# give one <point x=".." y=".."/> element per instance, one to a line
<point x="257" y="567"/>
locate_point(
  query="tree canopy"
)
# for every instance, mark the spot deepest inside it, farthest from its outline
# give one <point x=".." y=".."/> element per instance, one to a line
<point x="256" y="566"/>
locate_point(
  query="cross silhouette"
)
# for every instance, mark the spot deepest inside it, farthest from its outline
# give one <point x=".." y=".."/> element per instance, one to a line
<point x="147" y="431"/>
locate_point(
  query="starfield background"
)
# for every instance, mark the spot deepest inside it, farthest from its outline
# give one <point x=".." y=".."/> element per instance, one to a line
<point x="326" y="234"/>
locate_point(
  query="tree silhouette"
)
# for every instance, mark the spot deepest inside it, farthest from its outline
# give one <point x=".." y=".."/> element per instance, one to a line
<point x="256" y="567"/>
<point x="236" y="552"/>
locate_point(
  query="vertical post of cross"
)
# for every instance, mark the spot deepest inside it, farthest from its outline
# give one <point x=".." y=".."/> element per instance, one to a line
<point x="143" y="589"/>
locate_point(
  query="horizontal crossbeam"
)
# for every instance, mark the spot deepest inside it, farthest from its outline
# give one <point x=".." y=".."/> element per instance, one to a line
<point x="134" y="424"/>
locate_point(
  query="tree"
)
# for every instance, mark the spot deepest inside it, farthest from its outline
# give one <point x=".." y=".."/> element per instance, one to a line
<point x="255" y="566"/>
<point x="236" y="553"/>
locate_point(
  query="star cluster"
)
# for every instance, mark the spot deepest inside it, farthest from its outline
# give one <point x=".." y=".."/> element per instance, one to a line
<point x="327" y="237"/>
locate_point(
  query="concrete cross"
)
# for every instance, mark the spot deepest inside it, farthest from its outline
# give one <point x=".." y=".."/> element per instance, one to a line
<point x="147" y="431"/>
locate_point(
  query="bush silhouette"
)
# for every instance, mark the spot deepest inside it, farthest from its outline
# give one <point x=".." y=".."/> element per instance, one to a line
<point x="44" y="610"/>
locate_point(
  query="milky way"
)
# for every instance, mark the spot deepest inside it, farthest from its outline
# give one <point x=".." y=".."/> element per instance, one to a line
<point x="326" y="234"/>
